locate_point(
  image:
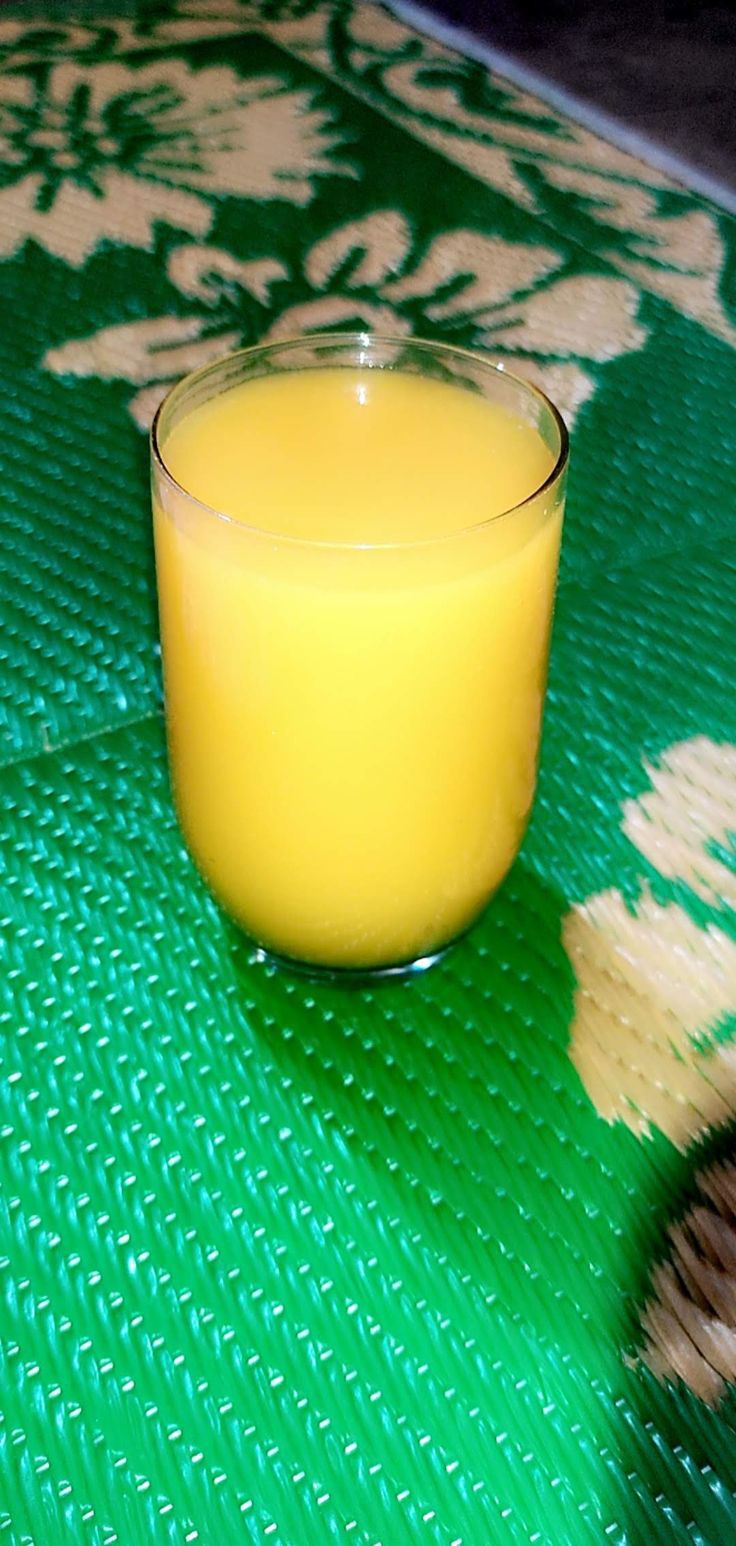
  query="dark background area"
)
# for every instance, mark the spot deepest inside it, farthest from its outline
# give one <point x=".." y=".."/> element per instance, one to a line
<point x="667" y="72"/>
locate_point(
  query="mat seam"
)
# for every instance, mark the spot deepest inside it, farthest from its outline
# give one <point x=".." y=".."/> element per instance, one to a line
<point x="567" y="583"/>
<point x="79" y="740"/>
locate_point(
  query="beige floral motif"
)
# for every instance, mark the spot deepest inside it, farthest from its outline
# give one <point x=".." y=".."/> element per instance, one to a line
<point x="432" y="109"/>
<point x="491" y="267"/>
<point x="215" y="22"/>
<point x="508" y="293"/>
<point x="155" y="351"/>
<point x="690" y="808"/>
<point x="372" y="27"/>
<point x="677" y="256"/>
<point x="105" y="151"/>
<point x="649" y="984"/>
<point x="203" y="273"/>
<point x="162" y="348"/>
<point x="10" y="31"/>
<point x="305" y="33"/>
<point x="507" y="297"/>
<point x="653" y="989"/>
<point x="491" y="146"/>
<point x="599" y="312"/>
<point x="381" y="240"/>
<point x="27" y="41"/>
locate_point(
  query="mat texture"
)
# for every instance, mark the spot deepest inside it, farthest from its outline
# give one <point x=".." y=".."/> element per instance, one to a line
<point x="299" y="1264"/>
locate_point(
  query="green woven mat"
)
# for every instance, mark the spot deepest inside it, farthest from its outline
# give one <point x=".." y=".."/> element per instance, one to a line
<point x="302" y="1264"/>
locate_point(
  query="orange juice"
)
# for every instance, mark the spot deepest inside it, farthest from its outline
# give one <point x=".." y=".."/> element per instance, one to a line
<point x="354" y="652"/>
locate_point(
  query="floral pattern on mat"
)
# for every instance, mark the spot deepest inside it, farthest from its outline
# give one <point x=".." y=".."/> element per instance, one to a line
<point x="505" y="297"/>
<point x="656" y="991"/>
<point x="105" y="151"/>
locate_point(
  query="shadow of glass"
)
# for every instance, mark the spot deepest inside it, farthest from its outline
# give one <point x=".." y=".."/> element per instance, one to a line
<point x="469" y="1165"/>
<point x="677" y="1455"/>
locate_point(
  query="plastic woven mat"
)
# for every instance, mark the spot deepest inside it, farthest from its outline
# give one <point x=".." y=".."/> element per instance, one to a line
<point x="281" y="1262"/>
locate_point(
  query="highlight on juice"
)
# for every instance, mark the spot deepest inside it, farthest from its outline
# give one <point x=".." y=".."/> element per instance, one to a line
<point x="356" y="549"/>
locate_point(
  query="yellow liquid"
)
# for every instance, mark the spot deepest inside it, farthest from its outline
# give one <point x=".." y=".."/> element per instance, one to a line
<point x="353" y="730"/>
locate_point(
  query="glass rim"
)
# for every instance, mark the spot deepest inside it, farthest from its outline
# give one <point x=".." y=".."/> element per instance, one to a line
<point x="363" y="340"/>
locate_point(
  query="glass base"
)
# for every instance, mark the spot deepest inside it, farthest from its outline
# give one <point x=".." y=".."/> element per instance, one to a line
<point x="350" y="976"/>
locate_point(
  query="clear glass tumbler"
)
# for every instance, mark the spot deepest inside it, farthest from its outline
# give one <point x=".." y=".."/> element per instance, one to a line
<point x="356" y="548"/>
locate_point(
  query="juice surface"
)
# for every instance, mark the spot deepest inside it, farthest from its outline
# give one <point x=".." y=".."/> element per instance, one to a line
<point x="353" y="731"/>
<point x="344" y="455"/>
